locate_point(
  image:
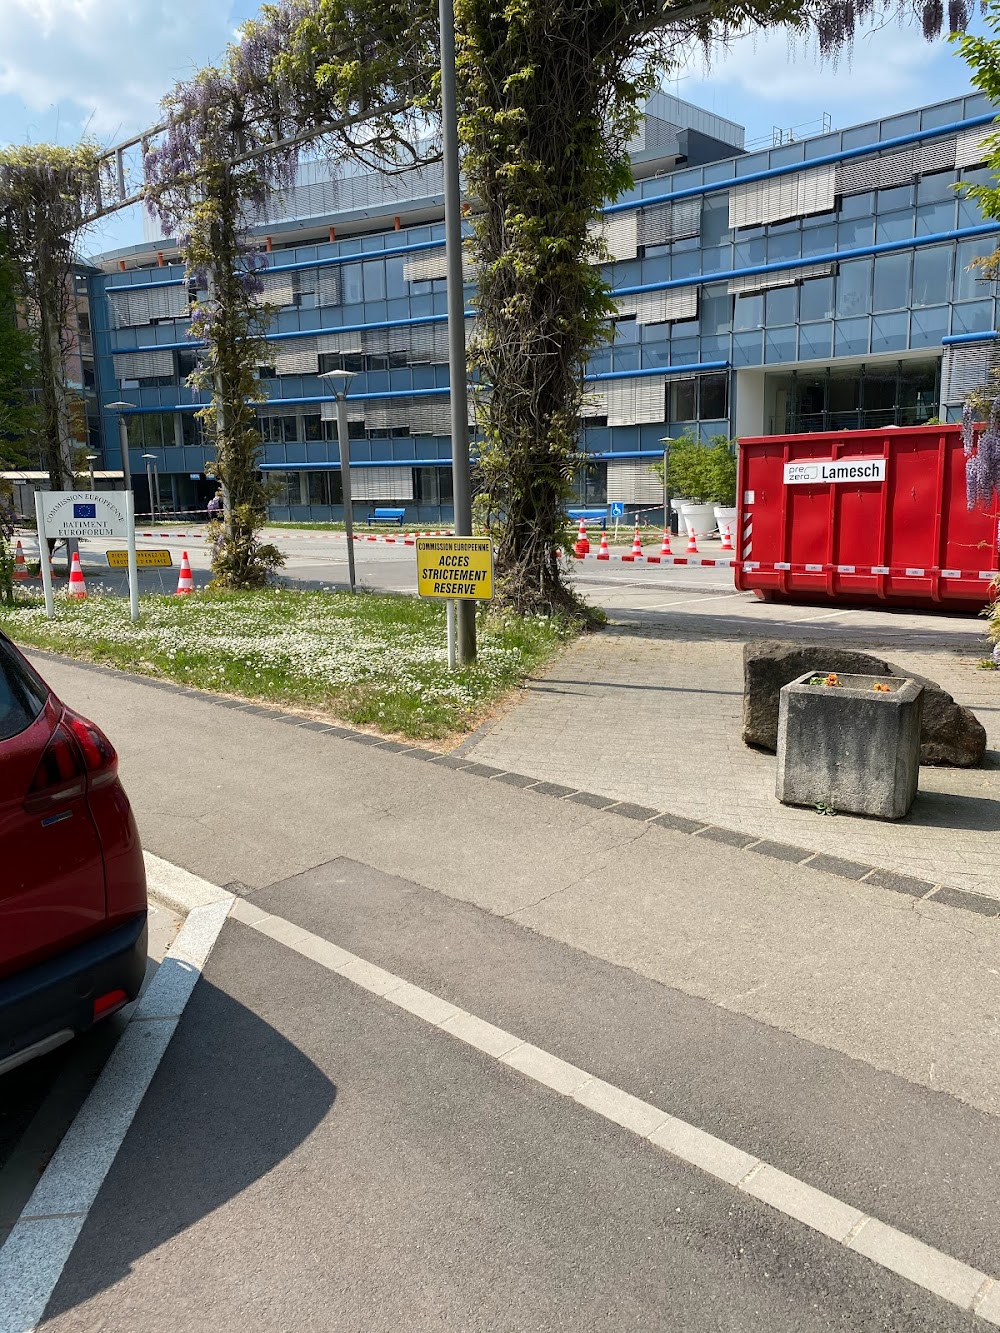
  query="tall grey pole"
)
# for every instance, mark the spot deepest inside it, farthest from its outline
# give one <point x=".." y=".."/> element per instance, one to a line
<point x="344" y="441"/>
<point x="149" y="482"/>
<point x="457" y="366"/>
<point x="666" y="489"/>
<point x="123" y="445"/>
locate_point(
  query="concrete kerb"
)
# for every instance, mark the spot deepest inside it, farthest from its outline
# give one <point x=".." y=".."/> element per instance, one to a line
<point x="858" y="872"/>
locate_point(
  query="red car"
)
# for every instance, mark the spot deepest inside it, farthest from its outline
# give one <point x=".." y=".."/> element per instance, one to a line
<point x="72" y="879"/>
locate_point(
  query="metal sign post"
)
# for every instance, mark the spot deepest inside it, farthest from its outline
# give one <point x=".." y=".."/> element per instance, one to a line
<point x="43" y="556"/>
<point x="133" y="571"/>
<point x="451" y="634"/>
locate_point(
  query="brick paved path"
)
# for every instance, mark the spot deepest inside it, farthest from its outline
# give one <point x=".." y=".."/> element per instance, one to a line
<point x="652" y="714"/>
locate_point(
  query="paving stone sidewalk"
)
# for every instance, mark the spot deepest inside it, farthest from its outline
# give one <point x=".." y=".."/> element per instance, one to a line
<point x="653" y="716"/>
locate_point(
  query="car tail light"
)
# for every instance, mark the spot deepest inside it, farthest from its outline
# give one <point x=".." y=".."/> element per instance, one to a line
<point x="61" y="774"/>
<point x="107" y="1004"/>
<point x="98" y="752"/>
<point x="78" y="754"/>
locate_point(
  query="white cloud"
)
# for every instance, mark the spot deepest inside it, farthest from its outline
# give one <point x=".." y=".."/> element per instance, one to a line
<point x="778" y="79"/>
<point x="105" y="63"/>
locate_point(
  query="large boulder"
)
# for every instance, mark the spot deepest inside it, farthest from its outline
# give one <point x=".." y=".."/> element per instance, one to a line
<point x="950" y="735"/>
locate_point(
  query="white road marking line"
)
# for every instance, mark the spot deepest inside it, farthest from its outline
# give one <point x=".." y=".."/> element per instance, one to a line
<point x="35" y="1252"/>
<point x="910" y="1258"/>
<point x="686" y="601"/>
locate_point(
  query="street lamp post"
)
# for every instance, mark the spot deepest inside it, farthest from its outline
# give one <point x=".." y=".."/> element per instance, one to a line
<point x="338" y="381"/>
<point x="457" y="359"/>
<point x="120" y="409"/>
<point x="150" y="460"/>
<point x="91" y="460"/>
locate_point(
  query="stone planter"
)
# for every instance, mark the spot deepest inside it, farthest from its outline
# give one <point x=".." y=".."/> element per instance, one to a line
<point x="699" y="519"/>
<point x="850" y="747"/>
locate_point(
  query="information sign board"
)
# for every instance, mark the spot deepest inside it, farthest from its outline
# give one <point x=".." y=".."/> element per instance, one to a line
<point x="455" y="567"/>
<point x="84" y="514"/>
<point x="143" y="559"/>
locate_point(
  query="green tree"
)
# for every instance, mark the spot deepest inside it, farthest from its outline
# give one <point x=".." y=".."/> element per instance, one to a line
<point x="46" y="195"/>
<point x="18" y="375"/>
<point x="704" y="473"/>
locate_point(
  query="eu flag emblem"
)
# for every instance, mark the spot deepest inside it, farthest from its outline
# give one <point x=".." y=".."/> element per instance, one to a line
<point x="84" y="511"/>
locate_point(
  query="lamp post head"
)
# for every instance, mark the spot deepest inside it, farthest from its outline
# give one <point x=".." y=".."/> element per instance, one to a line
<point x="338" y="380"/>
<point x="150" y="456"/>
<point x="92" y="458"/>
<point x="119" y="407"/>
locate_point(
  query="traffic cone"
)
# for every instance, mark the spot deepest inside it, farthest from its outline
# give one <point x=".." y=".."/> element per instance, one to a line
<point x="20" y="565"/>
<point x="77" y="587"/>
<point x="185" y="579"/>
<point x="665" y="548"/>
<point x="727" y="540"/>
<point x="636" y="543"/>
<point x="582" y="546"/>
<point x="603" y="552"/>
<point x="692" y="546"/>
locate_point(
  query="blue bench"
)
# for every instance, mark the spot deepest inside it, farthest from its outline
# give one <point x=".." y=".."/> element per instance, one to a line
<point x="387" y="516"/>
<point x="589" y="516"/>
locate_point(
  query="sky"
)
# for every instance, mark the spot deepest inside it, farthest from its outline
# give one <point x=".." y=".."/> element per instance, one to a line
<point x="101" y="66"/>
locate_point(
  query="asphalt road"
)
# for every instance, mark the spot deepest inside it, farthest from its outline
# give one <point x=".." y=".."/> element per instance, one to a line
<point x="39" y="1100"/>
<point x="312" y="1156"/>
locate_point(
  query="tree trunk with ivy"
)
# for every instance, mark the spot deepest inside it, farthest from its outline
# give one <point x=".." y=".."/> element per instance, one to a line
<point x="547" y="117"/>
<point x="231" y="322"/>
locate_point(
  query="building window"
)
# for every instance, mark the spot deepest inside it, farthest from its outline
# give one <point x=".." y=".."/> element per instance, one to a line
<point x="713" y="397"/>
<point x="683" y="395"/>
<point x="854" y="288"/>
<point x="931" y="275"/>
<point x="892" y="282"/>
<point x="432" y="485"/>
<point x="187" y="363"/>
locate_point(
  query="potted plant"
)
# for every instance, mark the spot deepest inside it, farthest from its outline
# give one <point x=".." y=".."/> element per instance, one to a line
<point x="705" y="474"/>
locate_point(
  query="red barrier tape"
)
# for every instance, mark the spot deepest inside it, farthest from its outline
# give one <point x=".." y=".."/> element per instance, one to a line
<point x="710" y="562"/>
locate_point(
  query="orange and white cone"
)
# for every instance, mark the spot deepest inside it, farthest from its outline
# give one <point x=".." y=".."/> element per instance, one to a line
<point x="582" y="546"/>
<point x="636" y="543"/>
<point x="20" y="564"/>
<point x="665" y="548"/>
<point x="77" y="587"/>
<point x="603" y="552"/>
<point x="692" y="546"/>
<point x="185" y="579"/>
<point x="727" y="540"/>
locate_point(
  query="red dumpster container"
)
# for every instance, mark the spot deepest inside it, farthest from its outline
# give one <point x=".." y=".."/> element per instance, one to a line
<point x="867" y="517"/>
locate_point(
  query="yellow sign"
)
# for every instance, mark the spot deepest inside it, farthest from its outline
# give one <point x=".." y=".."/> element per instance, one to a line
<point x="143" y="559"/>
<point x="459" y="567"/>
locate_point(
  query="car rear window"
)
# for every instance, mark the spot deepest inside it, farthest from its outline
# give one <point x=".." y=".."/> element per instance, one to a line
<point x="22" y="693"/>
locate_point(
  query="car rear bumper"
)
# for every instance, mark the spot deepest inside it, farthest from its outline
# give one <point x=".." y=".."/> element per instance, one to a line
<point x="49" y="1002"/>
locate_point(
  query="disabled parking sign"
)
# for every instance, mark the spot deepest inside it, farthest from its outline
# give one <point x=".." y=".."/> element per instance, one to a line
<point x="617" y="509"/>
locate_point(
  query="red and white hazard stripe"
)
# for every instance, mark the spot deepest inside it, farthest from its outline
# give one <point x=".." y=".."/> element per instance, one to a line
<point x="788" y="567"/>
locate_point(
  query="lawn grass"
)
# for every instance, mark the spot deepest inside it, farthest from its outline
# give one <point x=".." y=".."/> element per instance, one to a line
<point x="371" y="659"/>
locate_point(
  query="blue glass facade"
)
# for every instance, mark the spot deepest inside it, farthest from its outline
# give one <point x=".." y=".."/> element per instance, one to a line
<point x="821" y="284"/>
